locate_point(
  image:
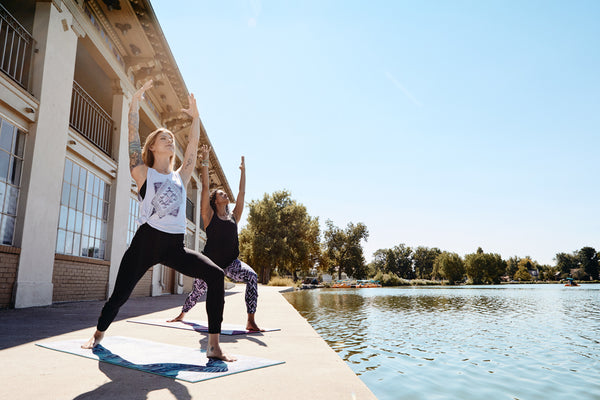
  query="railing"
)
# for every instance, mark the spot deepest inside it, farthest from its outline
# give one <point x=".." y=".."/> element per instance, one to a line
<point x="189" y="210"/>
<point x="89" y="119"/>
<point x="16" y="49"/>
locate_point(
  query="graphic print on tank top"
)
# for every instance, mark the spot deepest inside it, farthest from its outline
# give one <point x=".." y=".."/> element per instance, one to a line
<point x="167" y="198"/>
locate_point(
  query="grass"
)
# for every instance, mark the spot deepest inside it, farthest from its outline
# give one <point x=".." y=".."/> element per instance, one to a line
<point x="280" y="281"/>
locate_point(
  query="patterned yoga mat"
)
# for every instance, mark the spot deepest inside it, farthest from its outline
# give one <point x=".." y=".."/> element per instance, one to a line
<point x="199" y="326"/>
<point x="177" y="362"/>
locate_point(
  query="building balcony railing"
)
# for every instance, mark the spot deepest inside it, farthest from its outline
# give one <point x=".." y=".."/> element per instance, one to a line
<point x="89" y="119"/>
<point x="16" y="49"/>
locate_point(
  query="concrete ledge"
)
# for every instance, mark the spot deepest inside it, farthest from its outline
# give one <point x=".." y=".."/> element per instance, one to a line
<point x="312" y="370"/>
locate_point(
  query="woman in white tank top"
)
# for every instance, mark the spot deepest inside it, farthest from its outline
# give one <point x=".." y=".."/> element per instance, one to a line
<point x="159" y="239"/>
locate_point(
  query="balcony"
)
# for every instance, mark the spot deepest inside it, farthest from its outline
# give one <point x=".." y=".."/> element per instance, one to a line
<point x="16" y="49"/>
<point x="90" y="120"/>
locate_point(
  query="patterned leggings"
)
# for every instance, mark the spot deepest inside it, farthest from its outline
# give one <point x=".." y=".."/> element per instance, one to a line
<point x="237" y="271"/>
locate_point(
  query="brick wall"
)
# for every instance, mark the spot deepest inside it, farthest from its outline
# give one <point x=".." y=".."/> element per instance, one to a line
<point x="79" y="278"/>
<point x="144" y="286"/>
<point x="9" y="260"/>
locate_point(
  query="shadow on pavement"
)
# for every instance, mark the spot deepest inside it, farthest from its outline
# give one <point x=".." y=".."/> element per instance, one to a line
<point x="24" y="325"/>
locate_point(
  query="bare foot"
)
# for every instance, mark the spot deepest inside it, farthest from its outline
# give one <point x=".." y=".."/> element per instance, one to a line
<point x="94" y="340"/>
<point x="251" y="326"/>
<point x="177" y="318"/>
<point x="216" y="352"/>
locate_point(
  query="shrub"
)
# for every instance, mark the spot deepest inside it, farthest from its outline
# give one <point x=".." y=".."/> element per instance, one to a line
<point x="279" y="281"/>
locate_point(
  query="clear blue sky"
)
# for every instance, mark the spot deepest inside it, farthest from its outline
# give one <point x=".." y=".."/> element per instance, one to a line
<point x="444" y="124"/>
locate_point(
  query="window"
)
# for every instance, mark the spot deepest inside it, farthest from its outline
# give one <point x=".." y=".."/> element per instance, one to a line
<point x="83" y="216"/>
<point x="134" y="210"/>
<point x="12" y="145"/>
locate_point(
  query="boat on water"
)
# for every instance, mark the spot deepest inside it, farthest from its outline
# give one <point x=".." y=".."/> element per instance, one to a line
<point x="571" y="282"/>
<point x="361" y="283"/>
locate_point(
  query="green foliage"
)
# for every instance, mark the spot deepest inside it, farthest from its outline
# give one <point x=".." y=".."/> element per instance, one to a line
<point x="343" y="249"/>
<point x="390" y="279"/>
<point x="588" y="258"/>
<point x="483" y="267"/>
<point x="396" y="260"/>
<point x="423" y="259"/>
<point x="566" y="262"/>
<point x="449" y="266"/>
<point x="522" y="273"/>
<point x="512" y="266"/>
<point x="279" y="235"/>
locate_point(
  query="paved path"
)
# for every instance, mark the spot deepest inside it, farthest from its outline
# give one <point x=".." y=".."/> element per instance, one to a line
<point x="312" y="370"/>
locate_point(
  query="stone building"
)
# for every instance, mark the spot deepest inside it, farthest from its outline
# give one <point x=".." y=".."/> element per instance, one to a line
<point x="68" y="205"/>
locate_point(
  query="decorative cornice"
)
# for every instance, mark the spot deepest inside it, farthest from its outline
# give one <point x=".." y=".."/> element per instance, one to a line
<point x="107" y="26"/>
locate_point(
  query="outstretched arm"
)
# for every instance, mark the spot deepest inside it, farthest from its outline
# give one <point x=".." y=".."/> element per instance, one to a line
<point x="205" y="209"/>
<point x="137" y="168"/>
<point x="189" y="160"/>
<point x="239" y="202"/>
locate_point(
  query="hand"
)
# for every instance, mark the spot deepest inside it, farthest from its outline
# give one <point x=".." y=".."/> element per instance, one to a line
<point x="192" y="111"/>
<point x="243" y="165"/>
<point x="204" y="152"/>
<point x="139" y="95"/>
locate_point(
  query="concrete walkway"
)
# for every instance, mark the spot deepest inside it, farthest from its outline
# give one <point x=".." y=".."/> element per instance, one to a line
<point x="312" y="370"/>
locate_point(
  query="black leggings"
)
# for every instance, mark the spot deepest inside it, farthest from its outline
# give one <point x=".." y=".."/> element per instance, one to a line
<point x="151" y="246"/>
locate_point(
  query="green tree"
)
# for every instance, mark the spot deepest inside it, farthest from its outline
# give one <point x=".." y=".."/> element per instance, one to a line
<point x="566" y="262"/>
<point x="483" y="267"/>
<point x="588" y="258"/>
<point x="400" y="261"/>
<point x="523" y="274"/>
<point x="449" y="266"/>
<point x="343" y="249"/>
<point x="512" y="266"/>
<point x="279" y="234"/>
<point x="423" y="259"/>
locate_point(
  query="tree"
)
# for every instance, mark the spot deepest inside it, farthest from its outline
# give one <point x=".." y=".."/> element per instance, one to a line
<point x="423" y="259"/>
<point x="530" y="266"/>
<point x="512" y="266"/>
<point x="588" y="258"/>
<point x="566" y="262"/>
<point x="399" y="261"/>
<point x="449" y="266"/>
<point x="343" y="249"/>
<point x="483" y="267"/>
<point x="523" y="274"/>
<point x="279" y="234"/>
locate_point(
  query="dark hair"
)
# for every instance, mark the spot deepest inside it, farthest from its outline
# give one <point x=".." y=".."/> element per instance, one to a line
<point x="213" y="202"/>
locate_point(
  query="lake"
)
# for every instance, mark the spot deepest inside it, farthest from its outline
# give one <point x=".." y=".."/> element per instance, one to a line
<point x="464" y="342"/>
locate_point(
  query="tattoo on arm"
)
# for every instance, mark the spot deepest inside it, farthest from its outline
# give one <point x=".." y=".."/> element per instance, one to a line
<point x="135" y="154"/>
<point x="135" y="148"/>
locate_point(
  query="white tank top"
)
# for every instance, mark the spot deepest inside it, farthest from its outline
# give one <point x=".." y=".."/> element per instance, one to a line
<point x="163" y="206"/>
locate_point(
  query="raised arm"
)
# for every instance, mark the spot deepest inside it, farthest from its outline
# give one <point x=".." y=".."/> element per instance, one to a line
<point x="239" y="202"/>
<point x="189" y="160"/>
<point x="137" y="168"/>
<point x="205" y="209"/>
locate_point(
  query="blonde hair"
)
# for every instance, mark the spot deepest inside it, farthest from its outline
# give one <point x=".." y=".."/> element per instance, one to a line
<point x="147" y="155"/>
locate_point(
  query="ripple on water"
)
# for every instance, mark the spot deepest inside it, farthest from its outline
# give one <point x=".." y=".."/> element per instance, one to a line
<point x="497" y="342"/>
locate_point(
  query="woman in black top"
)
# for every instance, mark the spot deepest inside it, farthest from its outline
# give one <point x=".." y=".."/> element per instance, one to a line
<point x="222" y="245"/>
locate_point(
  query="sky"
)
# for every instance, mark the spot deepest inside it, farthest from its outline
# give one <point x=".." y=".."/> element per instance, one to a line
<point x="454" y="125"/>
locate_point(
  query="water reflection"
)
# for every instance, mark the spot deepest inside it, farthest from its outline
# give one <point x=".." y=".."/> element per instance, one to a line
<point x="505" y="341"/>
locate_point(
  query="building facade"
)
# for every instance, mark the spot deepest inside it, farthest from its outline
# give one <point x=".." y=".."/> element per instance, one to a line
<point x="68" y="205"/>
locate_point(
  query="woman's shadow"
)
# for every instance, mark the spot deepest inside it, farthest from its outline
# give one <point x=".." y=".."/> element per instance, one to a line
<point x="129" y="384"/>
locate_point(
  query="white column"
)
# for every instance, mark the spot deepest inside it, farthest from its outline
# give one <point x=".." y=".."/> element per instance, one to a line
<point x="121" y="188"/>
<point x="53" y="69"/>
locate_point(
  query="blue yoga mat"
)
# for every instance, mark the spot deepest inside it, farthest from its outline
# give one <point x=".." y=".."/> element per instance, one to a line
<point x="177" y="362"/>
<point x="200" y="326"/>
